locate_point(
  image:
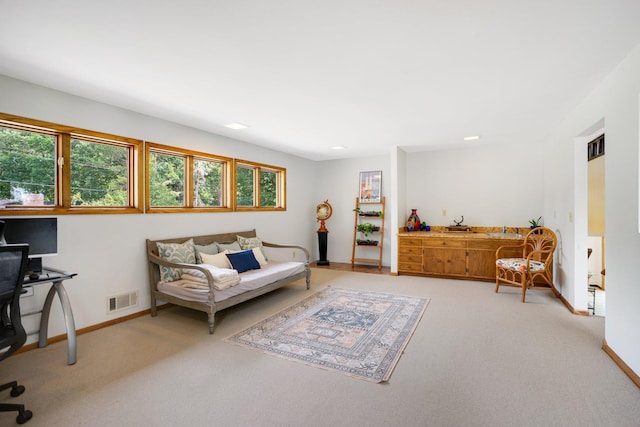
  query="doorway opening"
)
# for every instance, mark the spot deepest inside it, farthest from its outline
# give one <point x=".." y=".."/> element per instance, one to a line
<point x="596" y="225"/>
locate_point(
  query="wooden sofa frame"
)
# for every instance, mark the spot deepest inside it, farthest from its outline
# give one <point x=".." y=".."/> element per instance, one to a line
<point x="211" y="307"/>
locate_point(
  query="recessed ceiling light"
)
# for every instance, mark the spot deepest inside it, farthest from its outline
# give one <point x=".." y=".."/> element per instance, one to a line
<point x="338" y="147"/>
<point x="471" y="138"/>
<point x="236" y="126"/>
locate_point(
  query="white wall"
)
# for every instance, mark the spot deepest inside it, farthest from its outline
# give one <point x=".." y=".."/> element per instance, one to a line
<point x="338" y="182"/>
<point x="616" y="100"/>
<point x="490" y="185"/>
<point x="108" y="251"/>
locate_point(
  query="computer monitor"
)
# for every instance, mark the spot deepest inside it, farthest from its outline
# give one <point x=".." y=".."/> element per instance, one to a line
<point x="40" y="233"/>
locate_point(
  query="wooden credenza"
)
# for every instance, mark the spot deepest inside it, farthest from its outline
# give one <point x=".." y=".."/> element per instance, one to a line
<point x="454" y="255"/>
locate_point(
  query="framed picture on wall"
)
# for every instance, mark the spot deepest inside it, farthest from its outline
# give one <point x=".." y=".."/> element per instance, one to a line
<point x="370" y="187"/>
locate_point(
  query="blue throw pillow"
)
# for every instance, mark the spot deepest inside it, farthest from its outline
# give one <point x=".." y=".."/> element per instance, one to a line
<point x="243" y="261"/>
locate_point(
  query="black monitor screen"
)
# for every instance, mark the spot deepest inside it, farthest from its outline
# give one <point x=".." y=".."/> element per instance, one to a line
<point x="40" y="233"/>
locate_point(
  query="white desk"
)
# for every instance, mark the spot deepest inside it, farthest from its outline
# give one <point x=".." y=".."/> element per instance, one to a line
<point x="55" y="277"/>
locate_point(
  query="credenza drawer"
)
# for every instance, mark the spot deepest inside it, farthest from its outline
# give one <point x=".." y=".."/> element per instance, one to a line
<point x="410" y="241"/>
<point x="410" y="250"/>
<point x="410" y="267"/>
<point x="412" y="259"/>
<point x="444" y="243"/>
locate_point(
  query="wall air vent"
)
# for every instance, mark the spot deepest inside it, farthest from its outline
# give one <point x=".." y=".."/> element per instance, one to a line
<point x="122" y="301"/>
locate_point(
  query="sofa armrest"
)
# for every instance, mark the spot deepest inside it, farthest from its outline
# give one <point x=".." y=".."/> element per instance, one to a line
<point x="163" y="262"/>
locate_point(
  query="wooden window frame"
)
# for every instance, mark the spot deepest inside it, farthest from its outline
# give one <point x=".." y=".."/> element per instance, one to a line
<point x="138" y="174"/>
<point x="281" y="195"/>
<point x="63" y="135"/>
<point x="189" y="196"/>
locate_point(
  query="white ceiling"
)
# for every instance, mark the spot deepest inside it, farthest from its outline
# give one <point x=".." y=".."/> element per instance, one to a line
<point x="309" y="75"/>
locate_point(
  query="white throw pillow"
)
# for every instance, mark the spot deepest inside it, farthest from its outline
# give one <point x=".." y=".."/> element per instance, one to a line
<point x="257" y="252"/>
<point x="217" y="260"/>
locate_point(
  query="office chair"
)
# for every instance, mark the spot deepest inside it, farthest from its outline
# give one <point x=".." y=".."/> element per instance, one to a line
<point x="13" y="265"/>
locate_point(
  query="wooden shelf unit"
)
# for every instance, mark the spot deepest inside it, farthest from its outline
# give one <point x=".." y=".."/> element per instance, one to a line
<point x="379" y="234"/>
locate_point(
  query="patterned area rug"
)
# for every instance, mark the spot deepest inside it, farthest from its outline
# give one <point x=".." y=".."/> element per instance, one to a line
<point x="361" y="334"/>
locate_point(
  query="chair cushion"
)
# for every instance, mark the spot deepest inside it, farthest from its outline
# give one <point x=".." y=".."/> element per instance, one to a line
<point x="520" y="264"/>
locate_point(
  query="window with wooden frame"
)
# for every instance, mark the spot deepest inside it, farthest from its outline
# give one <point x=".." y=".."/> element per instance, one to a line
<point x="49" y="168"/>
<point x="259" y="186"/>
<point x="185" y="180"/>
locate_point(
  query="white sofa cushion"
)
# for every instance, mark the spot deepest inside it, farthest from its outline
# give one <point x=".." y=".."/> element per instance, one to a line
<point x="250" y="280"/>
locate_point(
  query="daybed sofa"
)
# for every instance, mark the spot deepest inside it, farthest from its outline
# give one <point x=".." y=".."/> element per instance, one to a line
<point x="175" y="282"/>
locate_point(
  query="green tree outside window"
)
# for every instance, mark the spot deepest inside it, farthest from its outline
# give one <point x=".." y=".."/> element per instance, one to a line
<point x="268" y="188"/>
<point x="27" y="165"/>
<point x="207" y="183"/>
<point x="244" y="186"/>
<point x="98" y="174"/>
<point x="166" y="180"/>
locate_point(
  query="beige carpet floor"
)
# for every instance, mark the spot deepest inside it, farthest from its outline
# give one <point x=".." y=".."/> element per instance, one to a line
<point x="476" y="359"/>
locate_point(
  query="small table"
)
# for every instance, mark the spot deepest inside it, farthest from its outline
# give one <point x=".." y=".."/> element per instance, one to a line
<point x="55" y="277"/>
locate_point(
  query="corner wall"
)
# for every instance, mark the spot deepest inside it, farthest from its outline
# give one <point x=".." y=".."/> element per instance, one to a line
<point x="338" y="182"/>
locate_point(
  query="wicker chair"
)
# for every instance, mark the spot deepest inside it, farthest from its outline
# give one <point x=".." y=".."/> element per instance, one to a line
<point x="531" y="270"/>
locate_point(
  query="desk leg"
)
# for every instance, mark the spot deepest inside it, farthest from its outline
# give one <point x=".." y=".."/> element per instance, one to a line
<point x="58" y="288"/>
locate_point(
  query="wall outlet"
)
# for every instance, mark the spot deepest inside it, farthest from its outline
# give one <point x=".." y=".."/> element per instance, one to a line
<point x="293" y="255"/>
<point x="444" y="212"/>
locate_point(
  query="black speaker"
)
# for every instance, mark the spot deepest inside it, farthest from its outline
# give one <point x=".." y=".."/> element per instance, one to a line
<point x="34" y="265"/>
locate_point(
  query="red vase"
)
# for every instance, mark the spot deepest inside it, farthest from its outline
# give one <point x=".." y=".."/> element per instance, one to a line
<point x="413" y="222"/>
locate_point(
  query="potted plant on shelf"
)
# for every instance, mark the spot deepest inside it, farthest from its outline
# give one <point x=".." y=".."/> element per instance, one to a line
<point x="367" y="228"/>
<point x="535" y="223"/>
